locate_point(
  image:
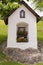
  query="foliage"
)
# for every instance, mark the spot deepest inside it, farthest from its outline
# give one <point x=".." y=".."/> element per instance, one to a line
<point x="3" y="31"/>
<point x="39" y="4"/>
<point x="6" y="1"/>
<point x="40" y="30"/>
<point x="5" y="9"/>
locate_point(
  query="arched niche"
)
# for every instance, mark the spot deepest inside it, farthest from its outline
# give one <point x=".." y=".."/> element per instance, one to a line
<point x="22" y="14"/>
<point x="22" y="32"/>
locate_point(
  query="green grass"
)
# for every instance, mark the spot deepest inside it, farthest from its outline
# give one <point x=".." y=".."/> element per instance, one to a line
<point x="3" y="57"/>
<point x="3" y="31"/>
<point x="40" y="30"/>
<point x="16" y="63"/>
<point x="39" y="64"/>
<point x="11" y="63"/>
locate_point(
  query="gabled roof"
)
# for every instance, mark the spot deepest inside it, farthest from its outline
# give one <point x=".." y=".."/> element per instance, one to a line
<point x="28" y="7"/>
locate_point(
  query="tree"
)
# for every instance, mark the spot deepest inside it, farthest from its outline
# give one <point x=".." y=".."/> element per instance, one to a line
<point x="6" y="8"/>
<point x="7" y="5"/>
<point x="6" y="1"/>
<point x="39" y="4"/>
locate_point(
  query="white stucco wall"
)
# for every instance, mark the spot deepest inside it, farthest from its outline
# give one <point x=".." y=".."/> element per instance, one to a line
<point x="12" y="29"/>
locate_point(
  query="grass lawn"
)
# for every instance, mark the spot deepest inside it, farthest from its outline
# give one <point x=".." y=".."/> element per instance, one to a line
<point x="40" y="30"/>
<point x="3" y="57"/>
<point x="3" y="31"/>
<point x="15" y="63"/>
<point x="39" y="64"/>
<point x="11" y="63"/>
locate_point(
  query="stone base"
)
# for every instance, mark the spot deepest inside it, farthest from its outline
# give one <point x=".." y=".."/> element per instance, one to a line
<point x="24" y="56"/>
